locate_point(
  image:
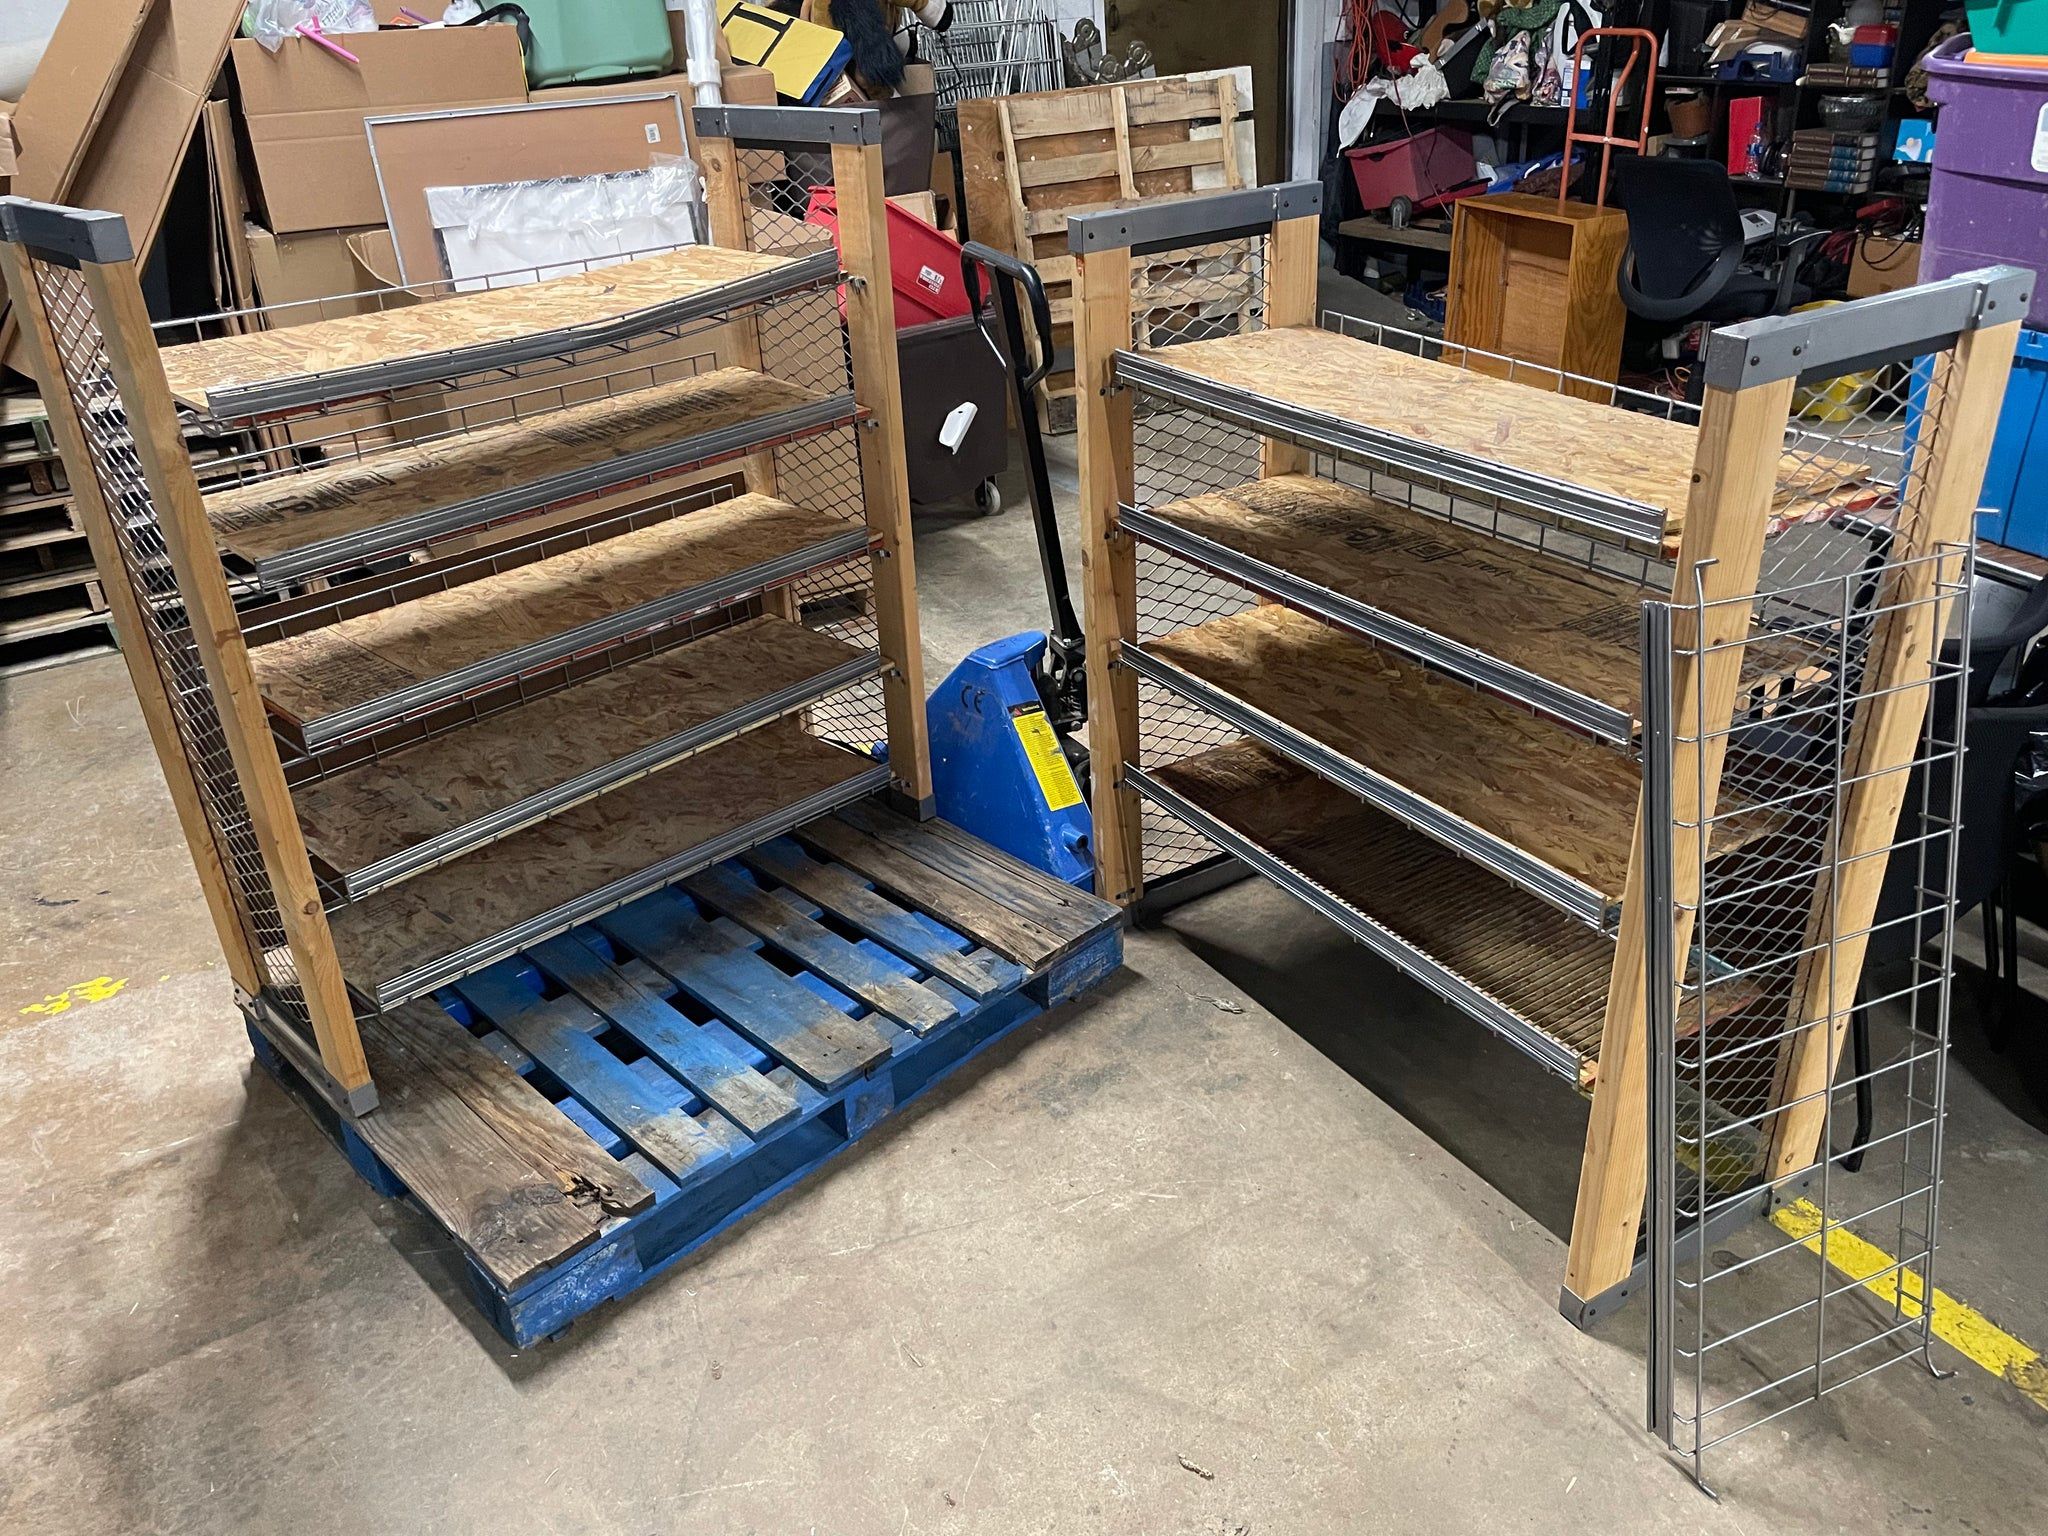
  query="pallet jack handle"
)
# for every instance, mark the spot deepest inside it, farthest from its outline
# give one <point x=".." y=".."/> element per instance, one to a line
<point x="1063" y="674"/>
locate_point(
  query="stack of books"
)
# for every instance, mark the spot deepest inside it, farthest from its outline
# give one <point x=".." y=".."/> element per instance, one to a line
<point x="1823" y="160"/>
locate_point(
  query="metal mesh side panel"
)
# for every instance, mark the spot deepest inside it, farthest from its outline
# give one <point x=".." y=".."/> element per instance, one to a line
<point x="1766" y="1316"/>
<point x="146" y="568"/>
<point x="1194" y="295"/>
<point x="804" y="341"/>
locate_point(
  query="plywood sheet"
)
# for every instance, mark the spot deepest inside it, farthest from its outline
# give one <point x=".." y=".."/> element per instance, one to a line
<point x="365" y="658"/>
<point x="383" y="807"/>
<point x="1551" y="971"/>
<point x="1547" y="969"/>
<point x="534" y="872"/>
<point x="274" y="517"/>
<point x="1553" y="619"/>
<point x="1641" y="458"/>
<point x="1529" y="783"/>
<point x="556" y="307"/>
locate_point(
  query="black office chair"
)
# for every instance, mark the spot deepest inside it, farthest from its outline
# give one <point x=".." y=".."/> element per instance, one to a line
<point x="1996" y="736"/>
<point x="1685" y="257"/>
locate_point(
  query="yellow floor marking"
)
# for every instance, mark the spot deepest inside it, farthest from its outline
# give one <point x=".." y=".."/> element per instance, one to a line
<point x="98" y="990"/>
<point x="1957" y="1324"/>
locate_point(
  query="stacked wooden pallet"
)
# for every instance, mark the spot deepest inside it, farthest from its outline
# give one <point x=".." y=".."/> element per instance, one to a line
<point x="52" y="608"/>
<point x="1032" y="161"/>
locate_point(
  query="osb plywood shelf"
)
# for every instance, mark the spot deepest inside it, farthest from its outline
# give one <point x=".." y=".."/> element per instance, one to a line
<point x="1532" y="973"/>
<point x="325" y="362"/>
<point x="1539" y="805"/>
<point x="356" y="510"/>
<point x="464" y="914"/>
<point x="1625" y="473"/>
<point x="386" y="820"/>
<point x="1559" y="637"/>
<point x="327" y="684"/>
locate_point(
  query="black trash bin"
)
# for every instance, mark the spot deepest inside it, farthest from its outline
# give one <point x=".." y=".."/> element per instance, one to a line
<point x="946" y="364"/>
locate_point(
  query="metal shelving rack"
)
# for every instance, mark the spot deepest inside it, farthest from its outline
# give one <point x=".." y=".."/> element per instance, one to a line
<point x="1785" y="604"/>
<point x="799" y="517"/>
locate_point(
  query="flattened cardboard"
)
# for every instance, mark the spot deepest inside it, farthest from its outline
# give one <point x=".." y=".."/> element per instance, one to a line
<point x="528" y="142"/>
<point x="304" y="111"/>
<point x="70" y="91"/>
<point x="135" y="153"/>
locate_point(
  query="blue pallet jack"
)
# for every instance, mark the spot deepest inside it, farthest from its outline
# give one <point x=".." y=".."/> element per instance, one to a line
<point x="1007" y="761"/>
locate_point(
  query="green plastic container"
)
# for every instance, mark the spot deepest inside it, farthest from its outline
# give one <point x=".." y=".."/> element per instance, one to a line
<point x="580" y="41"/>
<point x="2009" y="26"/>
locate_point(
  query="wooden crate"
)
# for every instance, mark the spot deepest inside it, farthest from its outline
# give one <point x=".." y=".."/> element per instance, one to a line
<point x="1534" y="280"/>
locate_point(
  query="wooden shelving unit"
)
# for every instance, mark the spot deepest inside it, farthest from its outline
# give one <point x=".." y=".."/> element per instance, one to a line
<point x="1404" y="702"/>
<point x="553" y="758"/>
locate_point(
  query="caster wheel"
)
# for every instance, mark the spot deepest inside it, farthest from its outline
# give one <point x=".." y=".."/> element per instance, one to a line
<point x="1401" y="212"/>
<point x="988" y="499"/>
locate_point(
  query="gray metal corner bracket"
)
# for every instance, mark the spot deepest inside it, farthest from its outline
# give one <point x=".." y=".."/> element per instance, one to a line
<point x="1889" y="328"/>
<point x="1169" y="223"/>
<point x="789" y="126"/>
<point x="66" y="236"/>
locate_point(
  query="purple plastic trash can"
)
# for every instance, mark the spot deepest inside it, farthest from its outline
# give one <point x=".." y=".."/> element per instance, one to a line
<point x="1989" y="199"/>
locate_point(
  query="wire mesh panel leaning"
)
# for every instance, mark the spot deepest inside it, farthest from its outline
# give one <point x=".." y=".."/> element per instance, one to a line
<point x="1601" y="716"/>
<point x="425" y="645"/>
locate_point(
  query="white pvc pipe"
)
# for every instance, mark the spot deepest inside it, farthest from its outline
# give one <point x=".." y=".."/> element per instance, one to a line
<point x="700" y="34"/>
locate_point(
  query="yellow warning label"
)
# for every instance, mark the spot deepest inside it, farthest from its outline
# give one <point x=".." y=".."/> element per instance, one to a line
<point x="1042" y="747"/>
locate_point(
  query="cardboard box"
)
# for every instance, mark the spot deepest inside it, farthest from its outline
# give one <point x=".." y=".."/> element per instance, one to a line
<point x="7" y="160"/>
<point x="1880" y="265"/>
<point x="303" y="110"/>
<point x="308" y="272"/>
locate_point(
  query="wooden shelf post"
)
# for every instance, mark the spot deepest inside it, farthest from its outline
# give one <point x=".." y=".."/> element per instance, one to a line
<point x="870" y="306"/>
<point x="109" y="284"/>
<point x="1101" y="246"/>
<point x="1941" y="489"/>
<point x="1734" y="475"/>
<point x="885" y="471"/>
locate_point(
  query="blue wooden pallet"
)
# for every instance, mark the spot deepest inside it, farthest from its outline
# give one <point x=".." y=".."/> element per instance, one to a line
<point x="719" y="1041"/>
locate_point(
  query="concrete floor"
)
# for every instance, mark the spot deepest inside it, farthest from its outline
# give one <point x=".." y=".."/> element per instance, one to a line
<point x="1257" y="1207"/>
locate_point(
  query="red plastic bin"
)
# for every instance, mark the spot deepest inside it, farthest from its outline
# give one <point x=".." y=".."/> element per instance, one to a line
<point x="925" y="262"/>
<point x="1423" y="167"/>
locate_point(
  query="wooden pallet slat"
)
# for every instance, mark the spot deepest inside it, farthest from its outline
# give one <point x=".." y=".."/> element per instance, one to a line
<point x="957" y="903"/>
<point x="902" y="998"/>
<point x="558" y="1034"/>
<point x="506" y="1173"/>
<point x="715" y="966"/>
<point x="720" y="1076"/>
<point x="980" y="975"/>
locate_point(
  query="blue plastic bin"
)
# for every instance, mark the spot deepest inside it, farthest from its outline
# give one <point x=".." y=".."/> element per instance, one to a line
<point x="2013" y="509"/>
